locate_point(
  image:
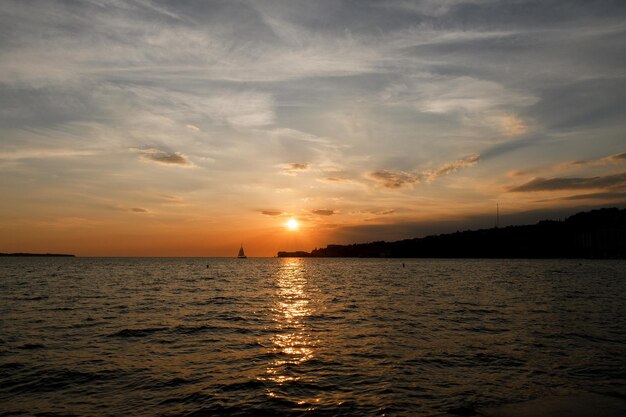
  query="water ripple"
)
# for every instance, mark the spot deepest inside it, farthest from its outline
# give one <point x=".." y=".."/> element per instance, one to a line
<point x="304" y="337"/>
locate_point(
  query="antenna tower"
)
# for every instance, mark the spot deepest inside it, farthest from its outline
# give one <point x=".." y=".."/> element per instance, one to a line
<point x="497" y="215"/>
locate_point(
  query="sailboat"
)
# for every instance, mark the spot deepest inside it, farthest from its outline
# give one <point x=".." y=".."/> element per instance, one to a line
<point x="241" y="254"/>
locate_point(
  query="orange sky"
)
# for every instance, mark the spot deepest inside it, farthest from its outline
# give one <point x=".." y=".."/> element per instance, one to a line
<point x="180" y="130"/>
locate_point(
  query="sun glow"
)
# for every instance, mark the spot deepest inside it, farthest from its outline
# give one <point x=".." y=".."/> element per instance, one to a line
<point x="292" y="224"/>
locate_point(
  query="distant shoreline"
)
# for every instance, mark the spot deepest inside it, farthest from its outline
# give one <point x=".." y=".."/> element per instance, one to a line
<point x="67" y="255"/>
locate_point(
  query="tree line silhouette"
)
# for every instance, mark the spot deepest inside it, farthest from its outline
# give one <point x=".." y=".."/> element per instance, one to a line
<point x="594" y="234"/>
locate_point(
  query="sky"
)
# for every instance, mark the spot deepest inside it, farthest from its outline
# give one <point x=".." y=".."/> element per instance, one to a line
<point x="186" y="128"/>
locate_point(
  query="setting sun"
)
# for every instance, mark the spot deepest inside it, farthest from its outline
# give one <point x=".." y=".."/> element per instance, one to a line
<point x="292" y="224"/>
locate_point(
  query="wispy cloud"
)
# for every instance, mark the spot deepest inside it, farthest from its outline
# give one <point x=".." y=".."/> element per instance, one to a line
<point x="466" y="94"/>
<point x="271" y="212"/>
<point x="385" y="212"/>
<point x="516" y="173"/>
<point x="473" y="102"/>
<point x="398" y="179"/>
<point x="163" y="157"/>
<point x="607" y="160"/>
<point x="293" y="168"/>
<point x="379" y="212"/>
<point x="619" y="195"/>
<point x="394" y="179"/>
<point x="235" y="107"/>
<point x="557" y="184"/>
<point x="335" y="179"/>
<point x="298" y="166"/>
<point x="171" y="199"/>
<point x="45" y="154"/>
<point x="451" y="167"/>
<point x="121" y="207"/>
<point x="244" y="109"/>
<point x="512" y="125"/>
<point x="579" y="164"/>
<point x="323" y="212"/>
<point x="334" y="175"/>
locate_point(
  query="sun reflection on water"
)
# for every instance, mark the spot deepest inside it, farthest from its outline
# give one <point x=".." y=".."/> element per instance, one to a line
<point x="292" y="342"/>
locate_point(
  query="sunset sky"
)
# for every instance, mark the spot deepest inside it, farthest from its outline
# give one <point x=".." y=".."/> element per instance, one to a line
<point x="188" y="127"/>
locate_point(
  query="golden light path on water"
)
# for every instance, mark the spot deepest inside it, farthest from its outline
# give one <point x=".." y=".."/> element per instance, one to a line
<point x="292" y="341"/>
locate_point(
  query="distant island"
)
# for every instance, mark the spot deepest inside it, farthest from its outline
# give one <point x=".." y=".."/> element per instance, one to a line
<point x="37" y="254"/>
<point x="596" y="234"/>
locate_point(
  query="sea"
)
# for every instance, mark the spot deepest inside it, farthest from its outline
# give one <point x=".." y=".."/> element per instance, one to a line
<point x="305" y="337"/>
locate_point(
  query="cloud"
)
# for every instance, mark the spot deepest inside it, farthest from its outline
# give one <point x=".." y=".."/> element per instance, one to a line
<point x="336" y="176"/>
<point x="556" y="184"/>
<point x="394" y="179"/>
<point x="300" y="167"/>
<point x="518" y="173"/>
<point x="512" y="125"/>
<point x="335" y="179"/>
<point x="271" y="212"/>
<point x="125" y="208"/>
<point x="581" y="163"/>
<point x="244" y="109"/>
<point x="323" y="212"/>
<point x="474" y="102"/>
<point x="398" y="179"/>
<point x="162" y="157"/>
<point x="343" y="181"/>
<point x="451" y="167"/>
<point x="293" y="168"/>
<point x="598" y="196"/>
<point x="381" y="212"/>
<point x="607" y="160"/>
<point x="615" y="159"/>
<point x="240" y="108"/>
<point x="45" y="154"/>
<point x="171" y="198"/>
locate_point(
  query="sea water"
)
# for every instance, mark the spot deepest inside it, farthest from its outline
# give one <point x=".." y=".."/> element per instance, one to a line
<point x="351" y="337"/>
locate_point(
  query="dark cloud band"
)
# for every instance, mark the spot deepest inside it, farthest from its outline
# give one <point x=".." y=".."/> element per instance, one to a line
<point x="556" y="184"/>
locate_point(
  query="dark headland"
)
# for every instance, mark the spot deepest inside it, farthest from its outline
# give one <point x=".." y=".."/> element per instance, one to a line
<point x="37" y="254"/>
<point x="596" y="234"/>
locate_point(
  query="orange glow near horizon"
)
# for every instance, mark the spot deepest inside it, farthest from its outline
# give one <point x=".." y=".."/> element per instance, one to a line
<point x="181" y="231"/>
<point x="150" y="235"/>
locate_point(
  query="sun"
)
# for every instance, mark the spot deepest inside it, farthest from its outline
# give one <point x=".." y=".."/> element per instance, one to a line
<point x="292" y="224"/>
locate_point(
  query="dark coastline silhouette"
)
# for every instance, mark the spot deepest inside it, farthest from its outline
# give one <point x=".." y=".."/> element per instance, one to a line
<point x="594" y="234"/>
<point x="37" y="254"/>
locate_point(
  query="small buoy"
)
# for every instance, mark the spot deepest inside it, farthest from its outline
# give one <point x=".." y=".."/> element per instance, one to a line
<point x="402" y="264"/>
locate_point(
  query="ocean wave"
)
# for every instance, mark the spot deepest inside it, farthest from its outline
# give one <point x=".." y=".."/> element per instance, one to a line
<point x="49" y="380"/>
<point x="138" y="332"/>
<point x="31" y="346"/>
